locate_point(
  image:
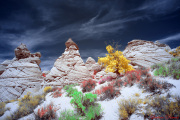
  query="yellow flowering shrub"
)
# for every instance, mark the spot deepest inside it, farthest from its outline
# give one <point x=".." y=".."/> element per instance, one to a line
<point x="47" y="89"/>
<point x="26" y="105"/>
<point x="115" y="61"/>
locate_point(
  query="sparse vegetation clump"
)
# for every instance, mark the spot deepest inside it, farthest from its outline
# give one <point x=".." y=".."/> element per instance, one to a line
<point x="2" y="108"/>
<point x="115" y="61"/>
<point x="163" y="107"/>
<point x="68" y="115"/>
<point x="46" y="113"/>
<point x="169" y="68"/>
<point x="84" y="104"/>
<point x="26" y="105"/>
<point x="88" y="85"/>
<point x="128" y="107"/>
<point x="47" y="89"/>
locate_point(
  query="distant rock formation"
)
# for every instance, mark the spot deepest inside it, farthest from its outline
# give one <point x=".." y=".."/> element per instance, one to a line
<point x="21" y="74"/>
<point x="92" y="65"/>
<point x="69" y="68"/>
<point x="146" y="53"/>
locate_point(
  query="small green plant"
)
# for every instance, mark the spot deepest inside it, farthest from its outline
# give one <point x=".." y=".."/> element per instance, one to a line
<point x="169" y="68"/>
<point x="70" y="90"/>
<point x="68" y="115"/>
<point x="94" y="113"/>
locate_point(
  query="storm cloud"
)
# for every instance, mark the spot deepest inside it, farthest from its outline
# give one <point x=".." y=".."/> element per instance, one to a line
<point x="45" y="25"/>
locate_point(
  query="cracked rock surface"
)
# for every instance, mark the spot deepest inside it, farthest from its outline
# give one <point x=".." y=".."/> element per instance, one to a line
<point x="146" y="53"/>
<point x="20" y="75"/>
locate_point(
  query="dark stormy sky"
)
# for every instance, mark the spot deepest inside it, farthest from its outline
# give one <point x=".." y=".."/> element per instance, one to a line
<point x="45" y="25"/>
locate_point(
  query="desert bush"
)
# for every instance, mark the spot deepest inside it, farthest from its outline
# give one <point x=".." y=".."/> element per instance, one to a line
<point x="70" y="90"/>
<point x="143" y="71"/>
<point x="117" y="83"/>
<point x="169" y="68"/>
<point x="47" y="89"/>
<point x="132" y="77"/>
<point x="94" y="113"/>
<point x="115" y="61"/>
<point x="68" y="115"/>
<point x="56" y="92"/>
<point x="164" y="107"/>
<point x="150" y="84"/>
<point x="2" y="108"/>
<point x="26" y="105"/>
<point x="81" y="102"/>
<point x="88" y="85"/>
<point x="46" y="113"/>
<point x="98" y="92"/>
<point x="127" y="108"/>
<point x="108" y="92"/>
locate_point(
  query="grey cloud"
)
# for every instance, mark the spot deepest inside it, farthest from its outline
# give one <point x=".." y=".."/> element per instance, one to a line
<point x="175" y="37"/>
<point x="160" y="6"/>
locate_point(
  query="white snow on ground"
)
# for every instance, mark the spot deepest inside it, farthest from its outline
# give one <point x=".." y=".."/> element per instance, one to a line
<point x="110" y="107"/>
<point x="12" y="108"/>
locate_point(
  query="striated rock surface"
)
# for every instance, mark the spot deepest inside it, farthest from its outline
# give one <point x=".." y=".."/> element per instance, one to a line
<point x="21" y="74"/>
<point x="92" y="65"/>
<point x="146" y="53"/>
<point x="69" y="68"/>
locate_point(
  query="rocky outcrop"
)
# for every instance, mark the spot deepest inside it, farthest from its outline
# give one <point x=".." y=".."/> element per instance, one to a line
<point x="69" y="68"/>
<point x="92" y="65"/>
<point x="146" y="53"/>
<point x="21" y="74"/>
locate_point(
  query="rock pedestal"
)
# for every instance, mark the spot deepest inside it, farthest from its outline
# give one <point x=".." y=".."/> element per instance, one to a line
<point x="69" y="68"/>
<point x="20" y="75"/>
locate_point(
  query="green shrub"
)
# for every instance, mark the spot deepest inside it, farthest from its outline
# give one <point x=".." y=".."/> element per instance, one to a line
<point x="172" y="68"/>
<point x="68" y="115"/>
<point x="93" y="113"/>
<point x="83" y="103"/>
<point x="69" y="89"/>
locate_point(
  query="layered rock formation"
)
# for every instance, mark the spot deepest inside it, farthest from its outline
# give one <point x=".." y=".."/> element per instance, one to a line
<point x="92" y="65"/>
<point x="69" y="68"/>
<point x="146" y="53"/>
<point x="20" y="75"/>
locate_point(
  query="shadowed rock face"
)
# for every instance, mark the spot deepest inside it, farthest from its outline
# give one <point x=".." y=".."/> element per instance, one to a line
<point x="146" y="53"/>
<point x="22" y="52"/>
<point x="70" y="42"/>
<point x="21" y="74"/>
<point x="69" y="68"/>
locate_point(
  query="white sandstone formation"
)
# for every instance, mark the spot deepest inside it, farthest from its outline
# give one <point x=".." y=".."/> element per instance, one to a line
<point x="69" y="68"/>
<point x="146" y="53"/>
<point x="21" y="74"/>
